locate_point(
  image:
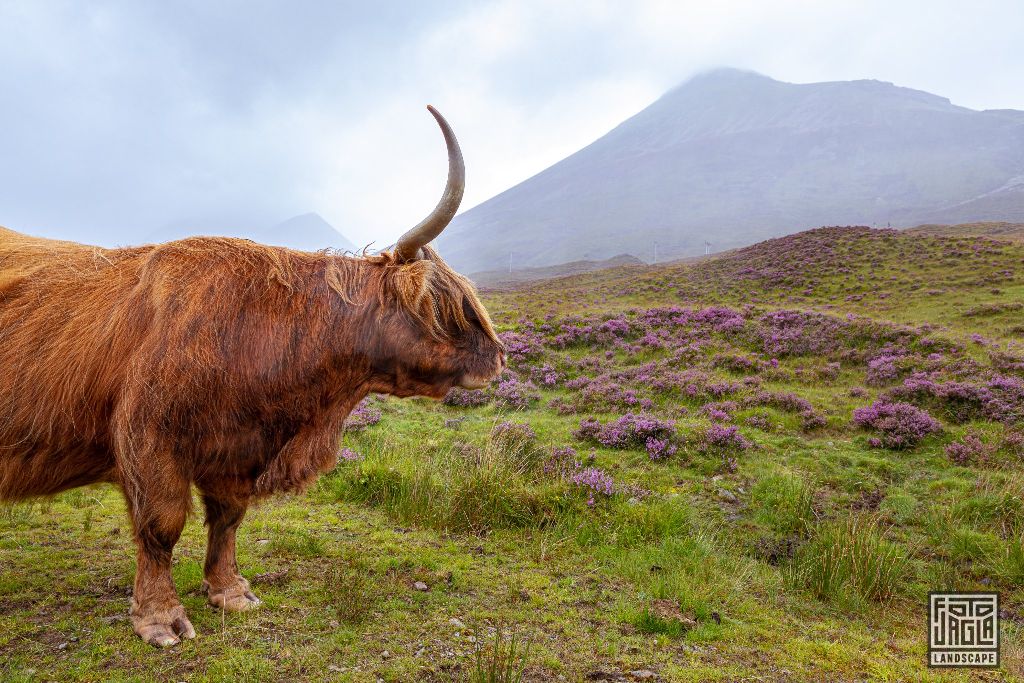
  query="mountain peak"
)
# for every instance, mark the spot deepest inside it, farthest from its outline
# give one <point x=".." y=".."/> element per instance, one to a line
<point x="729" y="73"/>
<point x="732" y="157"/>
<point x="307" y="231"/>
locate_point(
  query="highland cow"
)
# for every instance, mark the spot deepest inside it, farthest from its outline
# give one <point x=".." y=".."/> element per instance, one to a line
<point x="218" y="363"/>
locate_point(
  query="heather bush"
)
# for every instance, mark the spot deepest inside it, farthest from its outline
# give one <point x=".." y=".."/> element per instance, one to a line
<point x="970" y="450"/>
<point x="810" y="419"/>
<point x="901" y="425"/>
<point x="631" y="431"/>
<point x="594" y="482"/>
<point x="364" y="415"/>
<point x="348" y="455"/>
<point x="759" y="422"/>
<point x="883" y="369"/>
<point x="545" y="375"/>
<point x="466" y="398"/>
<point x="521" y="346"/>
<point x="1001" y="398"/>
<point x="563" y="461"/>
<point x="1013" y="443"/>
<point x="724" y="439"/>
<point x="513" y="394"/>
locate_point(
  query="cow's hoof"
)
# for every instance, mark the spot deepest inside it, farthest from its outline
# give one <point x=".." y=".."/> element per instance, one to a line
<point x="232" y="598"/>
<point x="163" y="628"/>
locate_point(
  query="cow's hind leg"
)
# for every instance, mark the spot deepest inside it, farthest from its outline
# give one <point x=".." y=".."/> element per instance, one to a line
<point x="158" y="514"/>
<point x="224" y="585"/>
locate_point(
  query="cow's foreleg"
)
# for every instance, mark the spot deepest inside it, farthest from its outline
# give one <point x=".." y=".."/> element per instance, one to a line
<point x="158" y="514"/>
<point x="224" y="585"/>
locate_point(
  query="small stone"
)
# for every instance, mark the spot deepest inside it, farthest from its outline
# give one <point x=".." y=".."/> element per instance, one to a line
<point x="334" y="668"/>
<point x="471" y="639"/>
<point x="385" y="654"/>
<point x="63" y="646"/>
<point x="457" y="623"/>
<point x="419" y="652"/>
<point x="727" y="496"/>
<point x="420" y="586"/>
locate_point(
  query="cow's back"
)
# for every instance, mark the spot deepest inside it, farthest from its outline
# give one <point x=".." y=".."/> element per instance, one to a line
<point x="59" y="351"/>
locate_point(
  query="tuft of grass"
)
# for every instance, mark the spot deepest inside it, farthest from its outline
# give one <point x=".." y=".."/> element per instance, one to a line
<point x="500" y="661"/>
<point x="849" y="558"/>
<point x="296" y="543"/>
<point x="461" y="487"/>
<point x="1007" y="564"/>
<point x="646" y="621"/>
<point x="784" y="503"/>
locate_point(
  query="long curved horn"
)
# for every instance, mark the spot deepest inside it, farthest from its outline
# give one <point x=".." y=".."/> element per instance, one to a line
<point x="408" y="246"/>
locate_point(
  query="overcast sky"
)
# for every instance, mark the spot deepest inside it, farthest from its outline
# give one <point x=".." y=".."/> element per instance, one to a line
<point x="120" y="118"/>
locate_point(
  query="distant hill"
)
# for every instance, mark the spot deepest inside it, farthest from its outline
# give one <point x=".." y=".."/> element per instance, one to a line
<point x="308" y="232"/>
<point x="733" y="157"/>
<point x="502" y="278"/>
<point x="946" y="280"/>
<point x="996" y="230"/>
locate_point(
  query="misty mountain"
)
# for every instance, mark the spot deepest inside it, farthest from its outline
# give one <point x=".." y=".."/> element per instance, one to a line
<point x="733" y="157"/>
<point x="308" y="232"/>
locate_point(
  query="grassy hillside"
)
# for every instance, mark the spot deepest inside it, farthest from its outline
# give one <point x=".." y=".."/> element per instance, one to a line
<point x="995" y="229"/>
<point x="753" y="467"/>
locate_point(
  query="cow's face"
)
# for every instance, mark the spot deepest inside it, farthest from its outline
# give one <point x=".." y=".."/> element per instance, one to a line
<point x="432" y="332"/>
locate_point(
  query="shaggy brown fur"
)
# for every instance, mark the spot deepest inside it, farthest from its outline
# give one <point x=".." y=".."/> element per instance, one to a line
<point x="212" y="362"/>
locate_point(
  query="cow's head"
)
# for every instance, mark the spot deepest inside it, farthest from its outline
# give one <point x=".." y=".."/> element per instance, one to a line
<point x="431" y="331"/>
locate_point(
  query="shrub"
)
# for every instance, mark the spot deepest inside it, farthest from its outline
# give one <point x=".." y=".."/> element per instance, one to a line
<point x="968" y="451"/>
<point x="349" y="455"/>
<point x="515" y="395"/>
<point x="563" y="461"/>
<point x="631" y="431"/>
<point x="595" y="481"/>
<point x="465" y="398"/>
<point x="902" y="425"/>
<point x="364" y="415"/>
<point x="722" y="438"/>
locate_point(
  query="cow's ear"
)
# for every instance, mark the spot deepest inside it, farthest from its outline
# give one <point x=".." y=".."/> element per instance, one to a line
<point x="412" y="280"/>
